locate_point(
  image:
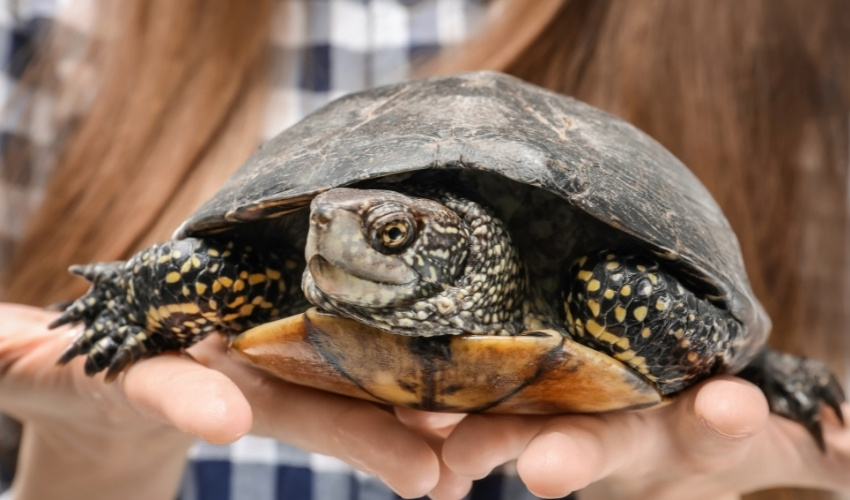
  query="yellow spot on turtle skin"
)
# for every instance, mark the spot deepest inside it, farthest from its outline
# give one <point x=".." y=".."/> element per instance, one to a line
<point x="238" y="301"/>
<point x="266" y="305"/>
<point x="609" y="294"/>
<point x="243" y="275"/>
<point x="213" y="268"/>
<point x="190" y="324"/>
<point x="246" y="310"/>
<point x="273" y="274"/>
<point x="608" y="337"/>
<point x="645" y="333"/>
<point x="640" y="313"/>
<point x="623" y="343"/>
<point x="213" y="252"/>
<point x="230" y="317"/>
<point x="238" y="285"/>
<point x="196" y="262"/>
<point x="200" y="288"/>
<point x="580" y="328"/>
<point x="225" y="254"/>
<point x="582" y="261"/>
<point x="593" y="306"/>
<point x="213" y="304"/>
<point x="593" y="285"/>
<point x="660" y="305"/>
<point x="612" y="265"/>
<point x="165" y="258"/>
<point x="620" y="313"/>
<point x="225" y="281"/>
<point x="652" y="278"/>
<point x="188" y="308"/>
<point x="692" y="357"/>
<point x="257" y="300"/>
<point x="216" y="286"/>
<point x="186" y="291"/>
<point x="594" y="328"/>
<point x="626" y="291"/>
<point x="641" y="268"/>
<point x="177" y="254"/>
<point x="639" y="362"/>
<point x="172" y="277"/>
<point x="685" y="343"/>
<point x="186" y="267"/>
<point x="691" y="317"/>
<point x="625" y="356"/>
<point x="585" y="275"/>
<point x="679" y="333"/>
<point x="616" y="277"/>
<point x="256" y="279"/>
<point x="610" y="256"/>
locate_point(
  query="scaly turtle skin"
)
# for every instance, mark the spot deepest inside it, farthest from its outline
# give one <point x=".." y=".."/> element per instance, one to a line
<point x="496" y="247"/>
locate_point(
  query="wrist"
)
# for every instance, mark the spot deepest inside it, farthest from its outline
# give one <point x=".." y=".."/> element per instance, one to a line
<point x="57" y="463"/>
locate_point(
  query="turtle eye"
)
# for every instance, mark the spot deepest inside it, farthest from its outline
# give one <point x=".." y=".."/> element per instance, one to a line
<point x="394" y="234"/>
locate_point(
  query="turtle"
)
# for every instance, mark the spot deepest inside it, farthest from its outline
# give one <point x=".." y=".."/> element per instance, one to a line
<point x="462" y="243"/>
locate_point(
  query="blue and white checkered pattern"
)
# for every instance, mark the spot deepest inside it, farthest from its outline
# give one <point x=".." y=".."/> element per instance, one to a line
<point x="323" y="49"/>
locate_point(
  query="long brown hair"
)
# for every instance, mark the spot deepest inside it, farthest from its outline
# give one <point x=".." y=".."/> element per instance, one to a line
<point x="180" y="89"/>
<point x="753" y="95"/>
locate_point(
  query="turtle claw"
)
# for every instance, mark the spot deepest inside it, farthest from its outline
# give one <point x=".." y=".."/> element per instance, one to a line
<point x="89" y="307"/>
<point x="797" y="388"/>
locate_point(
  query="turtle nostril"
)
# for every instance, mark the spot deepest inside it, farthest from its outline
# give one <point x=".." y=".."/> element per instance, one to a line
<point x="319" y="219"/>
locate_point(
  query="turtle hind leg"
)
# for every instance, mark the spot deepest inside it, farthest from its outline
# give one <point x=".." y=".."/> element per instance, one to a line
<point x="796" y="388"/>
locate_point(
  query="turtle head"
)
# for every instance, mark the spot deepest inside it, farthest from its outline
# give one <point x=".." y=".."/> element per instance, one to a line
<point x="375" y="248"/>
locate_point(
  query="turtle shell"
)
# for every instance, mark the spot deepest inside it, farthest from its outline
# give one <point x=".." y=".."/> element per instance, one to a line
<point x="495" y="123"/>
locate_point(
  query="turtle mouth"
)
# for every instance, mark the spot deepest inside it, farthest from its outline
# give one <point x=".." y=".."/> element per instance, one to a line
<point x="345" y="285"/>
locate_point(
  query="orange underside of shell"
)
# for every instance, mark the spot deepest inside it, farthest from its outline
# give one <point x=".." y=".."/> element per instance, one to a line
<point x="537" y="372"/>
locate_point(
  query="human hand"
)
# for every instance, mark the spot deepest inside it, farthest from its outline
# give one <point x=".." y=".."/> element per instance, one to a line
<point x="86" y="439"/>
<point x="715" y="441"/>
<point x="130" y="437"/>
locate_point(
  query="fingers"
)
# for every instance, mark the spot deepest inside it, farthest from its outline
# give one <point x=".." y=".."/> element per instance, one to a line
<point x="718" y="420"/>
<point x="426" y="422"/>
<point x="481" y="443"/>
<point x="191" y="397"/>
<point x="570" y="453"/>
<point x="706" y="430"/>
<point x="434" y="427"/>
<point x="363" y="434"/>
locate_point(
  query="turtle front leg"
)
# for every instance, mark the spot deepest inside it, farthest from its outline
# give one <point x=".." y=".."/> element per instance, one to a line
<point x="169" y="296"/>
<point x="796" y="388"/>
<point x="629" y="308"/>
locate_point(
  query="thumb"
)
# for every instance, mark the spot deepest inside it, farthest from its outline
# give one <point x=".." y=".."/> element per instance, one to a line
<point x="724" y="414"/>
